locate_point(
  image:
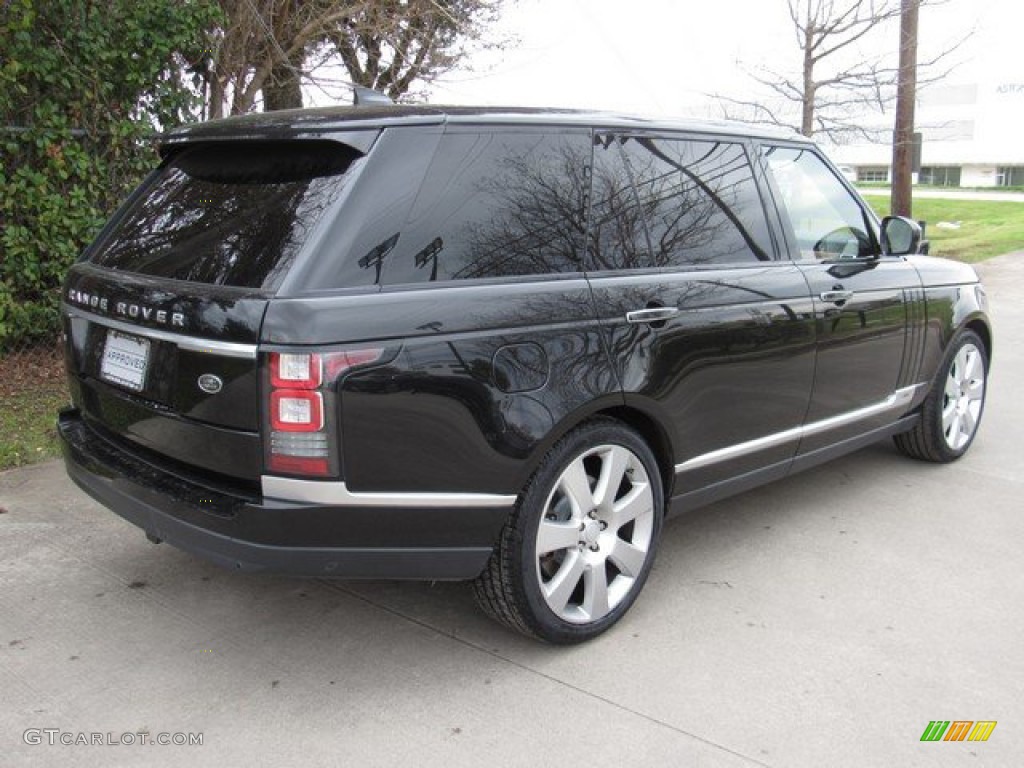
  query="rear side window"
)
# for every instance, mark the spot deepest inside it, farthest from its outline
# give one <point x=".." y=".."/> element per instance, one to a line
<point x="496" y="204"/>
<point x="666" y="202"/>
<point x="228" y="214"/>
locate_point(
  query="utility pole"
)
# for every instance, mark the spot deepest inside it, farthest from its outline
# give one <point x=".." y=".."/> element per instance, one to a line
<point x="906" y="95"/>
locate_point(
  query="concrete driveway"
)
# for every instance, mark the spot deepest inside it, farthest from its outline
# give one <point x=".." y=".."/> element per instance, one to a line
<point x="822" y="621"/>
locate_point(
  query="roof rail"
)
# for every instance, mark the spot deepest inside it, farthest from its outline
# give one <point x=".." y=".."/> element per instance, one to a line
<point x="368" y="97"/>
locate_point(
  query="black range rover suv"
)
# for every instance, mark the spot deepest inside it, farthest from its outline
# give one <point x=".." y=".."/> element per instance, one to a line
<point x="501" y="345"/>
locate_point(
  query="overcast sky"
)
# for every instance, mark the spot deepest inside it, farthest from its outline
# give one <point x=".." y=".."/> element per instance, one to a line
<point x="666" y="56"/>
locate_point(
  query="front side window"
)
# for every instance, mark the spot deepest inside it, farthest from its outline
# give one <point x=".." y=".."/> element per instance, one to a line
<point x="666" y="202"/>
<point x="495" y="204"/>
<point x="827" y="220"/>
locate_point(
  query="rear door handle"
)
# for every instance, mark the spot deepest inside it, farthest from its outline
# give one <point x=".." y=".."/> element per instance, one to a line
<point x="836" y="296"/>
<point x="651" y="314"/>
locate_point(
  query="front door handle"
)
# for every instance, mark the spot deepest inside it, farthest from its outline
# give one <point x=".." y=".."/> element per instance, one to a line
<point x="652" y="315"/>
<point x="835" y="297"/>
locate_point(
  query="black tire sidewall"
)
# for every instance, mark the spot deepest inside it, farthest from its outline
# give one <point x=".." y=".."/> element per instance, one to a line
<point x="538" y="614"/>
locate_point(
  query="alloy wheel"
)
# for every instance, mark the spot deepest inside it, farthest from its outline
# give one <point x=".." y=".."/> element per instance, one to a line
<point x="595" y="533"/>
<point x="963" y="397"/>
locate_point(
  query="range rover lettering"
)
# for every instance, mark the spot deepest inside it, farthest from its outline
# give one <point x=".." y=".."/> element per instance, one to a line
<point x="495" y="345"/>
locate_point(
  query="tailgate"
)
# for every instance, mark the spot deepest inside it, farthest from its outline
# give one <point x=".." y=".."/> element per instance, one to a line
<point x="171" y="372"/>
<point x="163" y="313"/>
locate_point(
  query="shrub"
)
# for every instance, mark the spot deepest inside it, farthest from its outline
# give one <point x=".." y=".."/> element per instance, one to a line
<point x="82" y="86"/>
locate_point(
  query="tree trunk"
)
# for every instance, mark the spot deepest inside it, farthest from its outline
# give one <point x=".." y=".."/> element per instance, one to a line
<point x="809" y="90"/>
<point x="215" y="107"/>
<point x="283" y="89"/>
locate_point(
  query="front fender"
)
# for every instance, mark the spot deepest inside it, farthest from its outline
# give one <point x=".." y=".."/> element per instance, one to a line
<point x="950" y="309"/>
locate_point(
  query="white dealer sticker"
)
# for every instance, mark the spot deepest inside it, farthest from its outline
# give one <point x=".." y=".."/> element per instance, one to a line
<point x="124" y="360"/>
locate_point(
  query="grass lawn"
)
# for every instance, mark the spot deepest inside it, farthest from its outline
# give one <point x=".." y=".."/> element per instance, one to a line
<point x="32" y="390"/>
<point x="986" y="228"/>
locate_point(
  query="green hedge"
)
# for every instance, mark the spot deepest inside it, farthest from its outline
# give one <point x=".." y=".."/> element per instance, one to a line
<point x="82" y="86"/>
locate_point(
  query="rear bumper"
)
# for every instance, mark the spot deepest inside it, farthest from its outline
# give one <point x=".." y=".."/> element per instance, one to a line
<point x="240" y="530"/>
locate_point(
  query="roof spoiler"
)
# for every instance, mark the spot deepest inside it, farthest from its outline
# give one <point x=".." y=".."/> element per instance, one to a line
<point x="368" y="97"/>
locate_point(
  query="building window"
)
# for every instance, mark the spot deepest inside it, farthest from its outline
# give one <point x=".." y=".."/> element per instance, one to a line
<point x="1010" y="176"/>
<point x="940" y="176"/>
<point x="870" y="173"/>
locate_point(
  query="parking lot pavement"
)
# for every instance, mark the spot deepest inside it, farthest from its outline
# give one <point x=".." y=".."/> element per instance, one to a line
<point x="821" y="621"/>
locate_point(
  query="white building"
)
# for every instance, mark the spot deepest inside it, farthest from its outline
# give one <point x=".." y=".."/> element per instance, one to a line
<point x="971" y="137"/>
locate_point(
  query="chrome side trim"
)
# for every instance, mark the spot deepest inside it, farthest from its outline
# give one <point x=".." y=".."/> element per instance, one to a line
<point x="338" y="494"/>
<point x="901" y="398"/>
<point x="191" y="343"/>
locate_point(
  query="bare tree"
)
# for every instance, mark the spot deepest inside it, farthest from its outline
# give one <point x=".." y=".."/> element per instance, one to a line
<point x="270" y="48"/>
<point x="262" y="48"/>
<point x="837" y="82"/>
<point x="388" y="45"/>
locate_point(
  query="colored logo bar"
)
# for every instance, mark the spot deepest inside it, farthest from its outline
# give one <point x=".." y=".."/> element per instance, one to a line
<point x="958" y="730"/>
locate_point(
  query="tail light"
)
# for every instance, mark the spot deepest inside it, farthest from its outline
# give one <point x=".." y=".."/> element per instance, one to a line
<point x="296" y="410"/>
<point x="295" y="371"/>
<point x="301" y="413"/>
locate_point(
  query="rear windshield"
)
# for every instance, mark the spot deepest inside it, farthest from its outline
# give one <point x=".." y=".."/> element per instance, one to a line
<point x="228" y="214"/>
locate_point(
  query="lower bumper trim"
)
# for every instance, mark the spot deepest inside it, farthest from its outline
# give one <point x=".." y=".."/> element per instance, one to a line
<point x="250" y="534"/>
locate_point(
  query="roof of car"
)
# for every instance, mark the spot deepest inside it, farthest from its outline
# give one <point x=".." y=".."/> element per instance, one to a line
<point x="325" y="120"/>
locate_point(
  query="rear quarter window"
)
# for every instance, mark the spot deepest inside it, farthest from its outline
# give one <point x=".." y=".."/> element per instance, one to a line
<point x="496" y="204"/>
<point x="228" y="214"/>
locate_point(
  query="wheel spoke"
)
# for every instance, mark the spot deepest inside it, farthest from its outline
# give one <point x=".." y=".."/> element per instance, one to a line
<point x="595" y="591"/>
<point x="975" y="389"/>
<point x="614" y="462"/>
<point x="627" y="558"/>
<point x="558" y="591"/>
<point x="969" y="366"/>
<point x="948" y="416"/>
<point x="952" y="387"/>
<point x="955" y="429"/>
<point x="576" y="485"/>
<point x="555" y="535"/>
<point x="956" y="367"/>
<point x="631" y="506"/>
<point x="968" y="422"/>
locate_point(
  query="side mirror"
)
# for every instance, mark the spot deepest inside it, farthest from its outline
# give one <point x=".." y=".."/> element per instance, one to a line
<point x="900" y="236"/>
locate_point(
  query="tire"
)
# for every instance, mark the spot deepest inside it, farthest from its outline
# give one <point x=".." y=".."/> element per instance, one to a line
<point x="952" y="411"/>
<point x="575" y="554"/>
